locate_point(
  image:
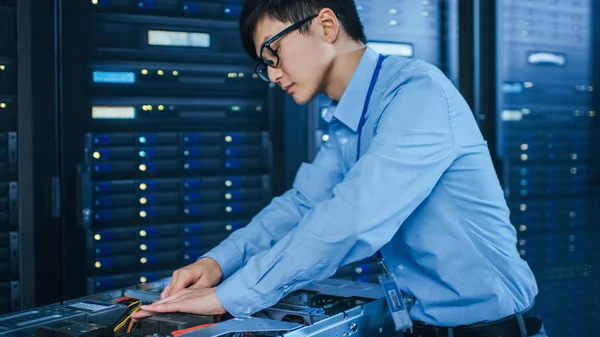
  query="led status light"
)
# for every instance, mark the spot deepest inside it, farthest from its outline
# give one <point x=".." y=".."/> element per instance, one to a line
<point x="175" y="73"/>
<point x="2" y="67"/>
<point x="143" y="247"/>
<point x="143" y="260"/>
<point x="143" y="279"/>
<point x="228" y="196"/>
<point x="96" y="155"/>
<point x="98" y="264"/>
<point x="228" y="139"/>
<point x="160" y="72"/>
<point x="228" y="183"/>
<point x="97" y="237"/>
<point x="144" y="71"/>
<point x="143" y="187"/>
<point x="229" y="228"/>
<point x="142" y="167"/>
<point x="228" y="209"/>
<point x="143" y="233"/>
<point x="2" y="105"/>
<point x="143" y="214"/>
<point x="143" y="201"/>
<point x="142" y="140"/>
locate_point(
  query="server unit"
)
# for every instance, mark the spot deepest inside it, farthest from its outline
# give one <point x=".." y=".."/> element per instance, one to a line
<point x="173" y="133"/>
<point x="9" y="224"/>
<point x="426" y="30"/>
<point x="544" y="120"/>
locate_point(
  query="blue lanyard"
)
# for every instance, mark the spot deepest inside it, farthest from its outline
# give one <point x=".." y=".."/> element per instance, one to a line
<point x="361" y="124"/>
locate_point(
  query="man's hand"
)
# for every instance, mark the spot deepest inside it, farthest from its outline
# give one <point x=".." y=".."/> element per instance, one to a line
<point x="204" y="273"/>
<point x="192" y="301"/>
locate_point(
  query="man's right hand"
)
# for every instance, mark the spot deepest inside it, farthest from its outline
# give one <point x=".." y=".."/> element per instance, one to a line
<point x="204" y="273"/>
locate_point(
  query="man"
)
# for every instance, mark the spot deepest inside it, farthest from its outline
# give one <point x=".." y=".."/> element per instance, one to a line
<point x="406" y="170"/>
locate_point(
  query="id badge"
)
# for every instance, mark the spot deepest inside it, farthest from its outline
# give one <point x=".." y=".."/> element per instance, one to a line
<point x="396" y="303"/>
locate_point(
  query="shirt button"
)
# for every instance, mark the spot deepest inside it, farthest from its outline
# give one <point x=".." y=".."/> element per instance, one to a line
<point x="400" y="267"/>
<point x="343" y="140"/>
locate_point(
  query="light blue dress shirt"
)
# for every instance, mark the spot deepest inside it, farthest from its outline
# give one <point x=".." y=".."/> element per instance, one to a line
<point x="424" y="191"/>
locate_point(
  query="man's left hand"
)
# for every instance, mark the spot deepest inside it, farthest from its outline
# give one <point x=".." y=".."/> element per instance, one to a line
<point x="202" y="301"/>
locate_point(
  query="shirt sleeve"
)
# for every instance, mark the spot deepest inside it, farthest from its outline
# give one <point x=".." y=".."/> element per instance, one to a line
<point x="412" y="147"/>
<point x="313" y="183"/>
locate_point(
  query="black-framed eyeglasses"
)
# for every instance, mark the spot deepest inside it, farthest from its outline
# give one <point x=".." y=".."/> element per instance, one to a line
<point x="269" y="57"/>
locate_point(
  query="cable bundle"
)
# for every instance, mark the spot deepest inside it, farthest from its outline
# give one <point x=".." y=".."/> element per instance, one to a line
<point x="133" y="305"/>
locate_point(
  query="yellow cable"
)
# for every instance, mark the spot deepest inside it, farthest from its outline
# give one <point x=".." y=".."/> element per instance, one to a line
<point x="124" y="321"/>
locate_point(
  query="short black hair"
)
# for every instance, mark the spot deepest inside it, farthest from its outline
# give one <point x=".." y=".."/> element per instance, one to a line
<point x="294" y="11"/>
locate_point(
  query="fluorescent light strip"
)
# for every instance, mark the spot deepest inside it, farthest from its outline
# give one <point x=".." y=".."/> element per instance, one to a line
<point x="178" y="39"/>
<point x="113" y="112"/>
<point x="388" y="48"/>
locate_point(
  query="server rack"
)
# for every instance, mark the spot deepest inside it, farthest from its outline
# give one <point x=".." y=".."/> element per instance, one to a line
<point x="174" y="135"/>
<point x="9" y="224"/>
<point x="426" y="30"/>
<point x="544" y="120"/>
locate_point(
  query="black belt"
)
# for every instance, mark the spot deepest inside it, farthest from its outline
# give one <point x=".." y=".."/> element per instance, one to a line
<point x="505" y="327"/>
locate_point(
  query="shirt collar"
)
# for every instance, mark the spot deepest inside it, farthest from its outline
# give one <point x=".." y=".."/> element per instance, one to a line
<point x="349" y="109"/>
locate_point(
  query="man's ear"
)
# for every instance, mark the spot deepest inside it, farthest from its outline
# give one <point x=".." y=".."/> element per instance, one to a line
<point x="329" y="23"/>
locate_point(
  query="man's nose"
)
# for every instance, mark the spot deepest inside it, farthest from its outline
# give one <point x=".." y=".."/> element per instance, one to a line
<point x="275" y="75"/>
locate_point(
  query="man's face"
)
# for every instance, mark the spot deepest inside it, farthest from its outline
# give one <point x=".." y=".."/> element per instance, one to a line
<point x="303" y="58"/>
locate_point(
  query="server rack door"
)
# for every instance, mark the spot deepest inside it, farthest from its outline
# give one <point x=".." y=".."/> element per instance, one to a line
<point x="169" y="137"/>
<point x="544" y="119"/>
<point x="9" y="224"/>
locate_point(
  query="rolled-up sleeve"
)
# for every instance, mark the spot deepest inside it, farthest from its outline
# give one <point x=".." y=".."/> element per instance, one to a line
<point x="412" y="147"/>
<point x="314" y="183"/>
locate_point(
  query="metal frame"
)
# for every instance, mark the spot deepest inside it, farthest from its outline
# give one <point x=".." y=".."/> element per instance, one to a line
<point x="39" y="229"/>
<point x="485" y="72"/>
<point x="596" y="103"/>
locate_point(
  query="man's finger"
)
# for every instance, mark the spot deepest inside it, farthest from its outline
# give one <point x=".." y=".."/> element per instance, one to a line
<point x="178" y="284"/>
<point x="163" y="307"/>
<point x="174" y="297"/>
<point x="165" y="293"/>
<point x="141" y="314"/>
